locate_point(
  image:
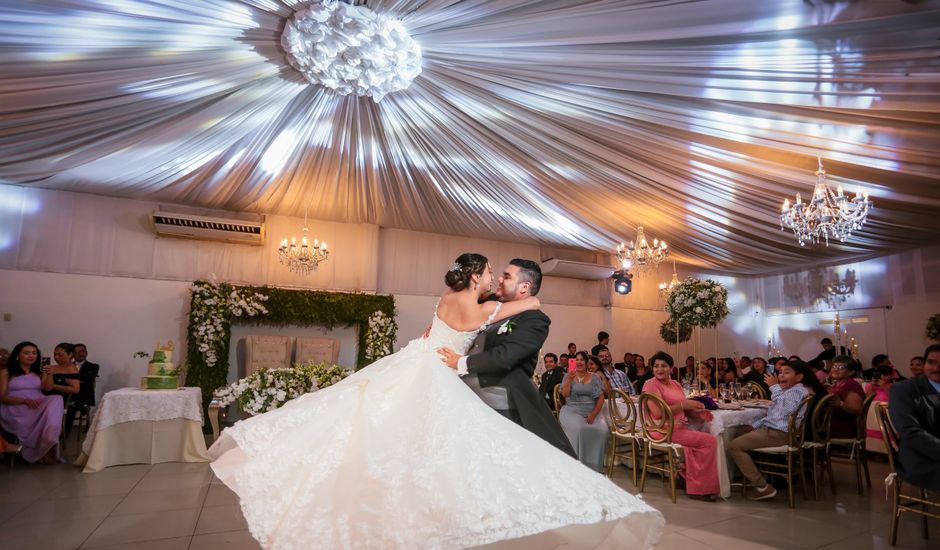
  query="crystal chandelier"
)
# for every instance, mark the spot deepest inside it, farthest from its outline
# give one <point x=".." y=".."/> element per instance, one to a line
<point x="639" y="254"/>
<point x="665" y="289"/>
<point x="304" y="258"/>
<point x="351" y="49"/>
<point x="828" y="214"/>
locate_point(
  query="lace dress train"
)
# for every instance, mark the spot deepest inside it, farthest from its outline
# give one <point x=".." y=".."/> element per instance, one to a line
<point x="403" y="454"/>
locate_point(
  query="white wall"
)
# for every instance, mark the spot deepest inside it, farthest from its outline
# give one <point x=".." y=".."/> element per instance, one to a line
<point x="114" y="316"/>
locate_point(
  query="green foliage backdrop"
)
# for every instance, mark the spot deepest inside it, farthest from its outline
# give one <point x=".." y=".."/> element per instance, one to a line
<point x="284" y="307"/>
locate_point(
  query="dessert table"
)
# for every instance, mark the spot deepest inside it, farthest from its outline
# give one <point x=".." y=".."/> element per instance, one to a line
<point x="133" y="426"/>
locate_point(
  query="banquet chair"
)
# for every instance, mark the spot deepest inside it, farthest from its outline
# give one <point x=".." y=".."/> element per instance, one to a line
<point x="818" y="449"/>
<point x="65" y="412"/>
<point x="759" y="390"/>
<point x="624" y="442"/>
<point x="558" y="400"/>
<point x="916" y="504"/>
<point x="786" y="460"/>
<point x="267" y="352"/>
<point x="318" y="350"/>
<point x="660" y="454"/>
<point x="856" y="449"/>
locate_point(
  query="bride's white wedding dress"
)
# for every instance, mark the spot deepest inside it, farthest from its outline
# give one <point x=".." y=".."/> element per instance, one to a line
<point x="402" y="454"/>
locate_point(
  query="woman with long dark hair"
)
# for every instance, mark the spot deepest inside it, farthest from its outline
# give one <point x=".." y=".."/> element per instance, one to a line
<point x="35" y="419"/>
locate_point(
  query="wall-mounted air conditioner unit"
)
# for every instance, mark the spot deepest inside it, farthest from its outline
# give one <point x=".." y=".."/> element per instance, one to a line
<point x="189" y="226"/>
<point x="577" y="270"/>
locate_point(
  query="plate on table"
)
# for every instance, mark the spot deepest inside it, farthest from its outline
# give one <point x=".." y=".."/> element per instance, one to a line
<point x="730" y="406"/>
<point x="757" y="403"/>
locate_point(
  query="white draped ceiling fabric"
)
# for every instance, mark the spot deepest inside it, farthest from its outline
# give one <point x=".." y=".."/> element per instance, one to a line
<point x="558" y="122"/>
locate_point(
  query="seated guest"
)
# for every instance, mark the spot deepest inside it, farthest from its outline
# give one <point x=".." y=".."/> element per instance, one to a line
<point x="700" y="468"/>
<point x="618" y="379"/>
<point x="35" y="419"/>
<point x="689" y="369"/>
<point x="756" y="374"/>
<point x="641" y="372"/>
<point x="594" y="367"/>
<point x="787" y="391"/>
<point x="775" y="362"/>
<point x="627" y="365"/>
<point x="914" y="406"/>
<point x="64" y="372"/>
<point x="4" y="357"/>
<point x="879" y="361"/>
<point x="881" y="387"/>
<point x="552" y="376"/>
<point x="917" y="366"/>
<point x="705" y="380"/>
<point x="820" y="371"/>
<point x="581" y="417"/>
<point x="848" y="400"/>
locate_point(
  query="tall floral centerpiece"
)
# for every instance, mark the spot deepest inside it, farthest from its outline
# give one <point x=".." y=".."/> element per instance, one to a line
<point x="698" y="303"/>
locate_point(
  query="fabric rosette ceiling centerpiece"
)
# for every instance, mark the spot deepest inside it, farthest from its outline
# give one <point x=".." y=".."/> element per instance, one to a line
<point x="351" y="49"/>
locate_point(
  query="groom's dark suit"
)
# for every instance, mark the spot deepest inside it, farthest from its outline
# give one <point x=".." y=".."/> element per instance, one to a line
<point x="508" y="360"/>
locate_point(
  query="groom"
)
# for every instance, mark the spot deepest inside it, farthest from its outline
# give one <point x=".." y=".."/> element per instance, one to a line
<point x="499" y="365"/>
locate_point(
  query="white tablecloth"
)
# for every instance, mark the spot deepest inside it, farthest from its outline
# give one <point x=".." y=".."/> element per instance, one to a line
<point x="145" y="426"/>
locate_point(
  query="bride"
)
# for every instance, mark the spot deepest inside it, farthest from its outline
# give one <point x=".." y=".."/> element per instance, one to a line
<point x="403" y="454"/>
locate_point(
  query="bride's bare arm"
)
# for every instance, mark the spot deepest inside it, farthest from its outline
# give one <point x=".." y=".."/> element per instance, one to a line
<point x="512" y="308"/>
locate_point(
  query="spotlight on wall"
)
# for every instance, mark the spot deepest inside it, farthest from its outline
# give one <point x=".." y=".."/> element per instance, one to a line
<point x="623" y="282"/>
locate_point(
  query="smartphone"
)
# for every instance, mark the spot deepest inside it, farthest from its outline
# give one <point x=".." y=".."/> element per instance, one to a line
<point x="45" y="361"/>
<point x="572" y="366"/>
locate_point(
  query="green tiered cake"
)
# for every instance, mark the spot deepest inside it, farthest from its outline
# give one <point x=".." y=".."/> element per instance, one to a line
<point x="161" y="375"/>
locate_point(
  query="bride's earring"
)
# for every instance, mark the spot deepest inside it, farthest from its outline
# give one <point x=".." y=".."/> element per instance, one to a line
<point x="476" y="286"/>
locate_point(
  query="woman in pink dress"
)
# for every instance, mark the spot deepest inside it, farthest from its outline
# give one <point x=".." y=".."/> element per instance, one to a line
<point x="35" y="419"/>
<point x="700" y="468"/>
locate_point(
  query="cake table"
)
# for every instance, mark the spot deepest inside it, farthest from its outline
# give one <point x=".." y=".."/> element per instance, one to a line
<point x="133" y="426"/>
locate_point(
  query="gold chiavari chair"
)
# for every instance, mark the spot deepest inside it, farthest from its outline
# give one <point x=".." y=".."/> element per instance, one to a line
<point x="660" y="454"/>
<point x="818" y="449"/>
<point x="900" y="502"/>
<point x="786" y="460"/>
<point x="855" y="449"/>
<point x="558" y="400"/>
<point x="625" y="443"/>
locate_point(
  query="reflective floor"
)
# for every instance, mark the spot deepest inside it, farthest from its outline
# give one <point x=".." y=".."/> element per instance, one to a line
<point x="182" y="506"/>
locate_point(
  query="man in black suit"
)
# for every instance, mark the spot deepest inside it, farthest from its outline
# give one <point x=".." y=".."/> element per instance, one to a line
<point x="552" y="377"/>
<point x="914" y="406"/>
<point x="87" y="373"/>
<point x="499" y="365"/>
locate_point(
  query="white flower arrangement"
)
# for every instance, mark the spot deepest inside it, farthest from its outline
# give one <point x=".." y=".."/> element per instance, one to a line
<point x="698" y="302"/>
<point x="213" y="304"/>
<point x="380" y="336"/>
<point x="269" y="389"/>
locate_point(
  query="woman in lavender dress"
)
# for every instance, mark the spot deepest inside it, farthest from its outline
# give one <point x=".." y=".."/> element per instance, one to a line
<point x="35" y="419"/>
<point x="582" y="417"/>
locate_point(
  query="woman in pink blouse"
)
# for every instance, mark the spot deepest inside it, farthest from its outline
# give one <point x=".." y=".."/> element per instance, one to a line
<point x="700" y="469"/>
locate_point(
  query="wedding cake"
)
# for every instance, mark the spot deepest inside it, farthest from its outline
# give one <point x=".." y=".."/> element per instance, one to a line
<point x="161" y="374"/>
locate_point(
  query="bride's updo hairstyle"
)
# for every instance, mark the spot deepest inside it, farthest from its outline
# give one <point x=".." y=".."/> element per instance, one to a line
<point x="466" y="266"/>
